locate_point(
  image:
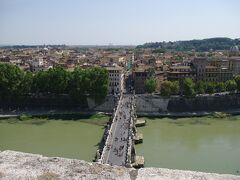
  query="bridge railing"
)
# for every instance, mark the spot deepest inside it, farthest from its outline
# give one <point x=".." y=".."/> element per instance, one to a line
<point x="130" y="137"/>
<point x="102" y="160"/>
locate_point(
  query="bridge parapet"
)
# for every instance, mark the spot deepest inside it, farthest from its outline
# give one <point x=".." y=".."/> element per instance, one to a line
<point x="119" y="145"/>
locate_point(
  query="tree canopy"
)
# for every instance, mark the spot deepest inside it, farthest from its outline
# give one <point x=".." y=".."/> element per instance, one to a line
<point x="150" y="84"/>
<point x="187" y="87"/>
<point x="237" y="80"/>
<point x="78" y="84"/>
<point x="197" y="45"/>
<point x="11" y="78"/>
<point x="169" y="88"/>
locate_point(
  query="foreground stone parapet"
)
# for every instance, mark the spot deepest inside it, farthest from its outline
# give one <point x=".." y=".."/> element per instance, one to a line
<point x="170" y="174"/>
<point x="18" y="165"/>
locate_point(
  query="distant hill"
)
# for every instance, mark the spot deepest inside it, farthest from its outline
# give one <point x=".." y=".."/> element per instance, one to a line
<point x="197" y="45"/>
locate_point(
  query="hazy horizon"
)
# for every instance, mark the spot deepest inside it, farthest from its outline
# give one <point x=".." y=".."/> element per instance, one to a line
<point x="104" y="45"/>
<point x="103" y="23"/>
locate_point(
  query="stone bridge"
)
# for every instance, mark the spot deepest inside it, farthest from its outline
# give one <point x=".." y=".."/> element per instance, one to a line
<point x="119" y="144"/>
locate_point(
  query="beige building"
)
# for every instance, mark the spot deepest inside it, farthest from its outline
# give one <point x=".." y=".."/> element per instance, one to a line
<point x="39" y="65"/>
<point x="181" y="72"/>
<point x="200" y="66"/>
<point x="235" y="65"/>
<point x="115" y="79"/>
<point x="212" y="70"/>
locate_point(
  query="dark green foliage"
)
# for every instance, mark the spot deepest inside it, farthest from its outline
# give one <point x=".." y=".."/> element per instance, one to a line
<point x="166" y="88"/>
<point x="187" y="87"/>
<point x="169" y="88"/>
<point x="10" y="81"/>
<point x="200" y="87"/>
<point x="26" y="84"/>
<point x="79" y="84"/>
<point x="175" y="88"/>
<point x="197" y="45"/>
<point x="159" y="51"/>
<point x="89" y="82"/>
<point x="231" y="85"/>
<point x="58" y="80"/>
<point x="99" y="83"/>
<point x="41" y="82"/>
<point x="210" y="87"/>
<point x="150" y="84"/>
<point x="220" y="87"/>
<point x="237" y="80"/>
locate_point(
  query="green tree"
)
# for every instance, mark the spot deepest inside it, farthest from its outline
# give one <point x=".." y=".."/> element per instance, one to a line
<point x="150" y="84"/>
<point x="169" y="88"/>
<point x="231" y="85"/>
<point x="166" y="88"/>
<point x="210" y="87"/>
<point x="174" y="88"/>
<point x="237" y="80"/>
<point x="91" y="82"/>
<point x="188" y="87"/>
<point x="79" y="83"/>
<point x="26" y="84"/>
<point x="58" y="80"/>
<point x="199" y="87"/>
<point x="41" y="83"/>
<point x="11" y="77"/>
<point x="99" y="83"/>
<point x="220" y="87"/>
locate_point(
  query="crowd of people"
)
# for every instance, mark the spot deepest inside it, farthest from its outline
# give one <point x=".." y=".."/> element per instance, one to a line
<point x="118" y="140"/>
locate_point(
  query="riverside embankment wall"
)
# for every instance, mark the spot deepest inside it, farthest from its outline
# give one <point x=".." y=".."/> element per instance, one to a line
<point x="147" y="104"/>
<point x="58" y="103"/>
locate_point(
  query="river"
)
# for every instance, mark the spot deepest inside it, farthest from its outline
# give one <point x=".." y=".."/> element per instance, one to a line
<point x="65" y="138"/>
<point x="202" y="143"/>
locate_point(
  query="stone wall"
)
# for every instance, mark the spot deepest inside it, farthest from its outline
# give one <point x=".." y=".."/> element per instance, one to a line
<point x="147" y="104"/>
<point x="18" y="165"/>
<point x="154" y="104"/>
<point x="28" y="102"/>
<point x="205" y="103"/>
<point x="59" y="102"/>
<point x="151" y="103"/>
<point x="108" y="105"/>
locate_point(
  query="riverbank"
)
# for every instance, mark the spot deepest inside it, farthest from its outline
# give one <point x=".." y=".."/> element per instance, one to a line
<point x="187" y="114"/>
<point x="76" y="113"/>
<point x="18" y="165"/>
<point x="91" y="118"/>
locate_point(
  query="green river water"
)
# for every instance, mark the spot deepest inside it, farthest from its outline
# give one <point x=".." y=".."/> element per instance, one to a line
<point x="201" y="143"/>
<point x="65" y="138"/>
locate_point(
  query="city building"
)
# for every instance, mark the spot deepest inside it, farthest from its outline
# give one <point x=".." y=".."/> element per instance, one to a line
<point x="235" y="65"/>
<point x="115" y="79"/>
<point x="181" y="72"/>
<point x="200" y="67"/>
<point x="39" y="65"/>
<point x="139" y="77"/>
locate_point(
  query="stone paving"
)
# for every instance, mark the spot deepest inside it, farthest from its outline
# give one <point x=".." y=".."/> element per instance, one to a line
<point x="116" y="147"/>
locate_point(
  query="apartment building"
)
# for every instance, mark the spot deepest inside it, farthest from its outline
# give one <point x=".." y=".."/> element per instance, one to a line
<point x="181" y="72"/>
<point x="139" y="77"/>
<point x="116" y="77"/>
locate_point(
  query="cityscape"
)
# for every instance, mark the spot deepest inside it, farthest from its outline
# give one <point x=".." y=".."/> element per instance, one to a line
<point x="153" y="104"/>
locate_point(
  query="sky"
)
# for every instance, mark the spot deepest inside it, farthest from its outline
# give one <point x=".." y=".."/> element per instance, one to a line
<point x="117" y="22"/>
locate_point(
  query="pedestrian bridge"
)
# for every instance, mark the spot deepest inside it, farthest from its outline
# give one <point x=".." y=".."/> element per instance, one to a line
<point x="119" y="144"/>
